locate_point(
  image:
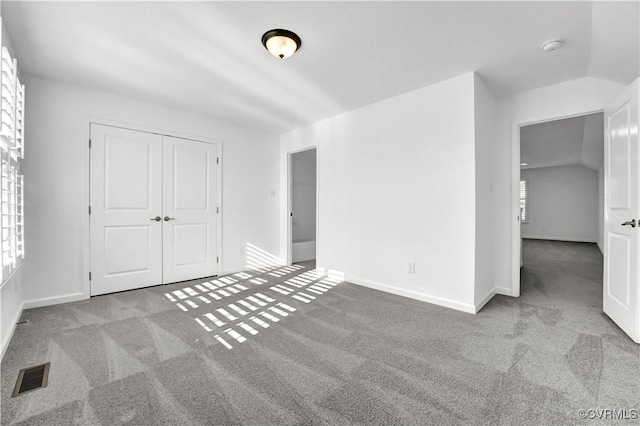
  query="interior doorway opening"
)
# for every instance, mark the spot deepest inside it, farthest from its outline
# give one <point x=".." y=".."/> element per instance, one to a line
<point x="562" y="179"/>
<point x="620" y="278"/>
<point x="303" y="206"/>
<point x="562" y="215"/>
<point x="562" y="200"/>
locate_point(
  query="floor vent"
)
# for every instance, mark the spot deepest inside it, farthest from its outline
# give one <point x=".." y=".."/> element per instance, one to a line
<point x="31" y="378"/>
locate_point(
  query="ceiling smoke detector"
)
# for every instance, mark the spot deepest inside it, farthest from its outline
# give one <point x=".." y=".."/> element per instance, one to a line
<point x="551" y="45"/>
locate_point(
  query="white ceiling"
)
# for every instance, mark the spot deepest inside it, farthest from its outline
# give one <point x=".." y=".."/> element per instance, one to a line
<point x="571" y="141"/>
<point x="207" y="57"/>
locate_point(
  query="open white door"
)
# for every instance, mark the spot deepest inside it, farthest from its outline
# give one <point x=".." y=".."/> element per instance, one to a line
<point x="126" y="205"/>
<point x="621" y="293"/>
<point x="190" y="209"/>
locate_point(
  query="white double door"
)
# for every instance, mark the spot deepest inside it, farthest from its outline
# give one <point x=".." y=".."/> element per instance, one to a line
<point x="153" y="209"/>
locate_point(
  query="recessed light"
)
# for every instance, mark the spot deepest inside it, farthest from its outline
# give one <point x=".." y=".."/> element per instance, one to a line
<point x="524" y="164"/>
<point x="551" y="45"/>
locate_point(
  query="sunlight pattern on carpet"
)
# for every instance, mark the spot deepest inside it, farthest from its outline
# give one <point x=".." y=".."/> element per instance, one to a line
<point x="234" y="322"/>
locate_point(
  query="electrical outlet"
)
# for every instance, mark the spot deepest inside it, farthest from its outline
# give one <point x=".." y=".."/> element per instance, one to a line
<point x="412" y="267"/>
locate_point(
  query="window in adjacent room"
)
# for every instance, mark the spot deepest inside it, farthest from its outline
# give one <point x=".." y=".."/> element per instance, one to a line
<point x="524" y="216"/>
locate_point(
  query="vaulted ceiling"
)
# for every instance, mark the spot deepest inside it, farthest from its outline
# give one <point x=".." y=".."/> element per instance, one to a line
<point x="570" y="141"/>
<point x="207" y="57"/>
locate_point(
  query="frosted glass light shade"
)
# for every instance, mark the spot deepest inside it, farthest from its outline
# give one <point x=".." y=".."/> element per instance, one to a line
<point x="281" y="43"/>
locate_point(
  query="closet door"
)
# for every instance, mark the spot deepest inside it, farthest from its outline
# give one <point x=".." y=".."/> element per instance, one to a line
<point x="189" y="209"/>
<point x="126" y="208"/>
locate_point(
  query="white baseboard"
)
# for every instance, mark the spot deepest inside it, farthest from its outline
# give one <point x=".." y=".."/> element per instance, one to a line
<point x="489" y="296"/>
<point x="505" y="291"/>
<point x="484" y="300"/>
<point x="12" y="329"/>
<point x="436" y="300"/>
<point x="247" y="269"/>
<point x="47" y="301"/>
<point x="568" y="239"/>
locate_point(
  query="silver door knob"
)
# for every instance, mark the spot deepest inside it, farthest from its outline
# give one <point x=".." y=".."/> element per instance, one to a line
<point x="167" y="218"/>
<point x="157" y="218"/>
<point x="631" y="223"/>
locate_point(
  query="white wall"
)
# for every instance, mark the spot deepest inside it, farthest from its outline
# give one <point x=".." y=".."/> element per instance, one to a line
<point x="485" y="126"/>
<point x="593" y="141"/>
<point x="560" y="100"/>
<point x="56" y="170"/>
<point x="562" y="204"/>
<point x="303" y="188"/>
<point x="396" y="184"/>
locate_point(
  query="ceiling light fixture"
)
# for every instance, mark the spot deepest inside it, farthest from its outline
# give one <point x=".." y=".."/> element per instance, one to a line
<point x="551" y="45"/>
<point x="524" y="164"/>
<point x="281" y="43"/>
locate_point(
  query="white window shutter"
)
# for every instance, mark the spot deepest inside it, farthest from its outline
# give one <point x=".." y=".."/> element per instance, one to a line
<point x="11" y="153"/>
<point x="523" y="200"/>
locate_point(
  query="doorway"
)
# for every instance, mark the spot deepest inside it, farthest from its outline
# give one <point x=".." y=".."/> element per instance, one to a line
<point x="562" y="179"/>
<point x="521" y="187"/>
<point x="153" y="210"/>
<point x="561" y="209"/>
<point x="621" y="281"/>
<point x="303" y="206"/>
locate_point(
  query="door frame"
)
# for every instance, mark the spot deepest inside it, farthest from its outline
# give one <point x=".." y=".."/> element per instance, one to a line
<point x="86" y="197"/>
<point x="516" y="240"/>
<point x="289" y="240"/>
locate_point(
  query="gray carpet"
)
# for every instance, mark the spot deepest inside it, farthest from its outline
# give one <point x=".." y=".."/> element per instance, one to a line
<point x="335" y="354"/>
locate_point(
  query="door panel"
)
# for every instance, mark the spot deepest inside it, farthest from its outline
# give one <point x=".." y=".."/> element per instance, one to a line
<point x="127" y="172"/>
<point x="190" y="245"/>
<point x="125" y="193"/>
<point x="619" y="159"/>
<point x="619" y="267"/>
<point x="621" y="295"/>
<point x="190" y="202"/>
<point x="191" y="177"/>
<point x="127" y="249"/>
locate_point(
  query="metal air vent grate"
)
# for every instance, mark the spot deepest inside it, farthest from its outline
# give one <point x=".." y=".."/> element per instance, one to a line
<point x="32" y="378"/>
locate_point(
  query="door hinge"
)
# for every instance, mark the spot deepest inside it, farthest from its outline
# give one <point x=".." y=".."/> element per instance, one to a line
<point x="218" y="210"/>
<point x="89" y="209"/>
<point x="89" y="143"/>
<point x="217" y="259"/>
<point x="217" y="160"/>
<point x="89" y="276"/>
